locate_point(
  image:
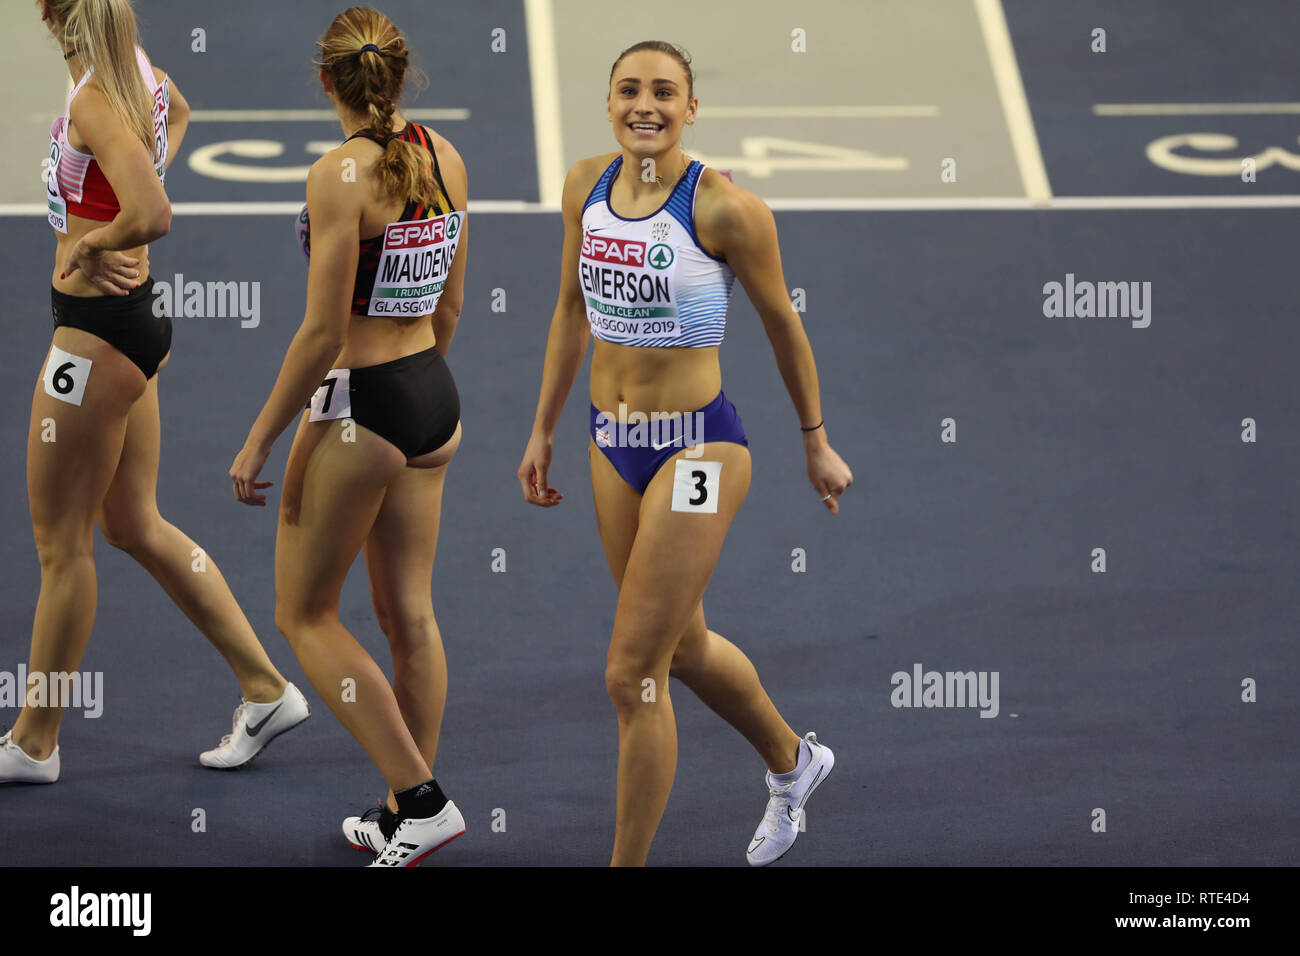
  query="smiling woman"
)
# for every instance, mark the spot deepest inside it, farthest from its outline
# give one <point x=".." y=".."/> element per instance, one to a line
<point x="653" y="244"/>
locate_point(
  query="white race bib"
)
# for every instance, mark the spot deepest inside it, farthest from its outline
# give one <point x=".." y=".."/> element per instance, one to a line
<point x="57" y="213"/>
<point x="334" y="397"/>
<point x="628" y="288"/>
<point x="66" y="375"/>
<point x="413" y="267"/>
<point x="695" y="486"/>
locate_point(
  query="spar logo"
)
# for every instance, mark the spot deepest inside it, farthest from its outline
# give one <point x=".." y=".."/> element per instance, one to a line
<point x="661" y="256"/>
<point x="408" y="235"/>
<point x="623" y="252"/>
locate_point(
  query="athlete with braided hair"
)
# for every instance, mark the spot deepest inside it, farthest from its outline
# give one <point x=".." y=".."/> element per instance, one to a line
<point x="384" y="232"/>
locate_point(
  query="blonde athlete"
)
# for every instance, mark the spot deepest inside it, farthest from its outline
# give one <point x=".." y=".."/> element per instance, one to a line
<point x="108" y="152"/>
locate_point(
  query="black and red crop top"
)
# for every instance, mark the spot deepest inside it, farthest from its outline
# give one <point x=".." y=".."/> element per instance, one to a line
<point x="402" y="271"/>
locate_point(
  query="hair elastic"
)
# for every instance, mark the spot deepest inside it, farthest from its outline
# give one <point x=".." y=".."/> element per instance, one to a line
<point x="370" y="46"/>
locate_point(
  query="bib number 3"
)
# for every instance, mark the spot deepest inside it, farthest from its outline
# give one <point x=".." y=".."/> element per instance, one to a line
<point x="334" y="397"/>
<point x="66" y="376"/>
<point x="695" y="486"/>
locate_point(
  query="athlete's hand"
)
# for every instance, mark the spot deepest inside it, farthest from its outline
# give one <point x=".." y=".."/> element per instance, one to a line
<point x="108" y="270"/>
<point x="829" y="474"/>
<point x="532" y="472"/>
<point x="243" y="474"/>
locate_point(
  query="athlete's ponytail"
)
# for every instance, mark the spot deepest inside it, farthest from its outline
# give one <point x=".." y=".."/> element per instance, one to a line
<point x="369" y="81"/>
<point x="104" y="35"/>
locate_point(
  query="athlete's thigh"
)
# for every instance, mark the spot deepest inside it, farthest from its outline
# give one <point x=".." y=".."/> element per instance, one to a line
<point x="133" y="492"/>
<point x="674" y="554"/>
<point x="73" y="449"/>
<point x="404" y="538"/>
<point x="343" y="484"/>
<point x="617" y="505"/>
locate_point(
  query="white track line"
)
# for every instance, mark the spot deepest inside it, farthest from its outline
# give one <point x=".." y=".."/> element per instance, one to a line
<point x="921" y="204"/>
<point x="303" y="116"/>
<point x="543" y="71"/>
<point x="1015" y="106"/>
<point x="1193" y="109"/>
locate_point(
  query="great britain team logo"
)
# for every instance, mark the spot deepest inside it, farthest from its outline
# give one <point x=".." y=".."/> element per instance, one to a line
<point x="660" y="256"/>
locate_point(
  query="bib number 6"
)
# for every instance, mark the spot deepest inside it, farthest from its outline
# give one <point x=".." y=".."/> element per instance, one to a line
<point x="334" y="397"/>
<point x="66" y="376"/>
<point x="695" y="486"/>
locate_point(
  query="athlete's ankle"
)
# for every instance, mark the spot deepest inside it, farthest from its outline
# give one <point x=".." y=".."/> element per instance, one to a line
<point x="35" y="747"/>
<point x="263" y="690"/>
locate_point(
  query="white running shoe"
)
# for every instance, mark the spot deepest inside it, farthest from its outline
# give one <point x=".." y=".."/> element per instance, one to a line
<point x="417" y="838"/>
<point x="17" y="767"/>
<point x="776" y="834"/>
<point x="255" y="726"/>
<point x="364" y="832"/>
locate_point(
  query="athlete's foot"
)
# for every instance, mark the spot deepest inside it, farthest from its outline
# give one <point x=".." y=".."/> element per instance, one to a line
<point x="256" y="725"/>
<point x="371" y="830"/>
<point x="415" y="838"/>
<point x="787" y="794"/>
<point x="264" y="693"/>
<point x="17" y="767"/>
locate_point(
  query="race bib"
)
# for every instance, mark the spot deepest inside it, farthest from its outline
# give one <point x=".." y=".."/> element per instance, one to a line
<point x="413" y="267"/>
<point x="628" y="288"/>
<point x="57" y="207"/>
<point x="695" y="486"/>
<point x="66" y="375"/>
<point x="334" y="397"/>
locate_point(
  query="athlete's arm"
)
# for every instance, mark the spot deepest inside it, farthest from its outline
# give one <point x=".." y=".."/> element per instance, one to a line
<point x="740" y="227"/>
<point x="335" y="212"/>
<point x="565" y="346"/>
<point x="146" y="213"/>
<point x="178" y="116"/>
<point x="447" y="313"/>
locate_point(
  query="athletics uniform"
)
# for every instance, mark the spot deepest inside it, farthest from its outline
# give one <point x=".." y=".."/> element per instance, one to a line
<point x="411" y="401"/>
<point x="75" y="185"/>
<point x="648" y="283"/>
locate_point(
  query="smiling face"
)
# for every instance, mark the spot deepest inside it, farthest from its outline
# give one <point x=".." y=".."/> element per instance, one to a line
<point x="649" y="102"/>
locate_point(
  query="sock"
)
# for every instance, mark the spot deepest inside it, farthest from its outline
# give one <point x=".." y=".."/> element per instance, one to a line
<point x="425" y="800"/>
<point x="805" y="758"/>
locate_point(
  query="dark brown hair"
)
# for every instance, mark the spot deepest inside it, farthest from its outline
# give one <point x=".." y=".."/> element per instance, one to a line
<point x="371" y="82"/>
<point x="661" y="46"/>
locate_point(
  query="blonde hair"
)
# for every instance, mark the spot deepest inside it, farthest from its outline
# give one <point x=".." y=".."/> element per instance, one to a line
<point x="104" y="35"/>
<point x="371" y="82"/>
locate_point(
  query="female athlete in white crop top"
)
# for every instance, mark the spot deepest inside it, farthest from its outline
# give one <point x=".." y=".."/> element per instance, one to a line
<point x="652" y="244"/>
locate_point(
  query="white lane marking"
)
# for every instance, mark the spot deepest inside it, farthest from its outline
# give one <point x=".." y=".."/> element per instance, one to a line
<point x="543" y="70"/>
<point x="818" y="112"/>
<point x="1193" y="109"/>
<point x="847" y="204"/>
<point x="304" y="116"/>
<point x="1015" y="106"/>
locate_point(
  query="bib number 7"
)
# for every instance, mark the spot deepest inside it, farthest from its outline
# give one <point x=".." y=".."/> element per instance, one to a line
<point x="334" y="397"/>
<point x="695" y="486"/>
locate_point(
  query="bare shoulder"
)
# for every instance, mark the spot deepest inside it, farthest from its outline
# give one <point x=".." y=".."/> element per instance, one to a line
<point x="726" y="214"/>
<point x="582" y="178"/>
<point x="448" y="156"/>
<point x="330" y="188"/>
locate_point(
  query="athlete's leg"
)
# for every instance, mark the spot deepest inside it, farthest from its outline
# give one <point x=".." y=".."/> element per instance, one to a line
<point x="668" y="568"/>
<point x="129" y="520"/>
<point x="72" y="452"/>
<point x="399" y="558"/>
<point x="720" y="674"/>
<point x="342" y="490"/>
<point x="713" y="668"/>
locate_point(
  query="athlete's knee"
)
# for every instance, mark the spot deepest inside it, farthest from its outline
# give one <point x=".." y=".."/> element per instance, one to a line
<point x="132" y="532"/>
<point x="402" y="622"/>
<point x="631" y="683"/>
<point x="689" y="653"/>
<point x="61" y="543"/>
<point x="297" y="620"/>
